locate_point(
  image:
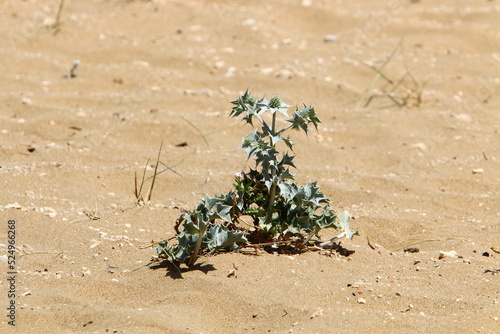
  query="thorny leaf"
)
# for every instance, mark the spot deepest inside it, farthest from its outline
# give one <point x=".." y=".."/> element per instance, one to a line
<point x="190" y="227"/>
<point x="214" y="208"/>
<point x="288" y="190"/>
<point x="311" y="195"/>
<point x="219" y="237"/>
<point x="287" y="160"/>
<point x="250" y="106"/>
<point x="301" y="118"/>
<point x="326" y="218"/>
<point x="288" y="143"/>
<point x="285" y="175"/>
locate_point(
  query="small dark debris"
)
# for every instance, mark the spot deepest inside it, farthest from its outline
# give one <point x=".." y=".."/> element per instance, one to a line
<point x="411" y="250"/>
<point x="183" y="144"/>
<point x="75" y="128"/>
<point x="71" y="74"/>
<point x="31" y="149"/>
<point x="486" y="254"/>
<point x="88" y="323"/>
<point x="492" y="271"/>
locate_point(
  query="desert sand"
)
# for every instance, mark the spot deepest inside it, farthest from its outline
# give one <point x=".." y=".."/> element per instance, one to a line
<point x="408" y="96"/>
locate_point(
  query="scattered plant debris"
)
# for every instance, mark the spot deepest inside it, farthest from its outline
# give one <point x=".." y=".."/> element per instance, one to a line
<point x="393" y="90"/>
<point x="144" y="198"/>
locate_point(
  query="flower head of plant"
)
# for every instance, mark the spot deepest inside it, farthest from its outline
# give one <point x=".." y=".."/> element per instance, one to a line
<point x="275" y="102"/>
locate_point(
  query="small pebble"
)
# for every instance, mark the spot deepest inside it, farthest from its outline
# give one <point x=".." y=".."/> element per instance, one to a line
<point x="85" y="271"/>
<point x="219" y="64"/>
<point x="330" y="38"/>
<point x="48" y="211"/>
<point x="451" y="254"/>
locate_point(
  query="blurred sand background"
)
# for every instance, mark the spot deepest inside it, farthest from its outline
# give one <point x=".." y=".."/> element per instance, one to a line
<point x="408" y="95"/>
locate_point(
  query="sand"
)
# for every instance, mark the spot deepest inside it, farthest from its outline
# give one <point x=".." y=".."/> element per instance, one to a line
<point x="408" y="96"/>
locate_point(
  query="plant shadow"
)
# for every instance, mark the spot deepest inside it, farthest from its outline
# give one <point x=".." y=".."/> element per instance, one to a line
<point x="295" y="249"/>
<point x="339" y="249"/>
<point x="175" y="271"/>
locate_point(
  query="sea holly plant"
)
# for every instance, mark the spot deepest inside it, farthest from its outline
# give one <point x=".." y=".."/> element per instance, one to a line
<point x="266" y="207"/>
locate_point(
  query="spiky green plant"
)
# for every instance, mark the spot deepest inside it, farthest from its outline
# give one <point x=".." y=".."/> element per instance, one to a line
<point x="278" y="207"/>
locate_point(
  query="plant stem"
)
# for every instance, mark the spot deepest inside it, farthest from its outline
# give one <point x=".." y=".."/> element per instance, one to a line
<point x="274" y="124"/>
<point x="313" y="232"/>
<point x="197" y="247"/>
<point x="272" y="192"/>
<point x="270" y="210"/>
<point x="202" y="226"/>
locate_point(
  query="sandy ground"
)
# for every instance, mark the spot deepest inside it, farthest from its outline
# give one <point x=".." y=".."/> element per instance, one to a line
<point x="420" y="168"/>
